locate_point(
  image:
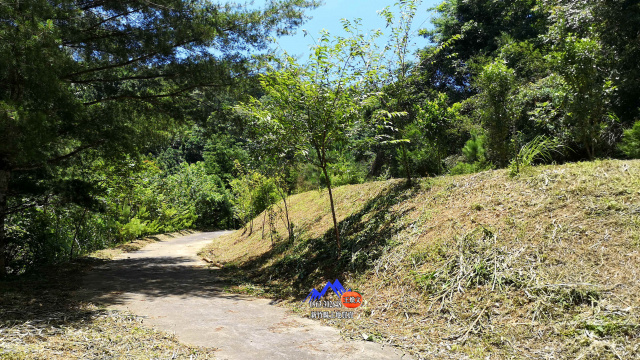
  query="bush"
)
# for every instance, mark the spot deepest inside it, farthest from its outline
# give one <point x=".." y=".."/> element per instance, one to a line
<point x="630" y="144"/>
<point x="474" y="153"/>
<point x="253" y="193"/>
<point x="474" y="149"/>
<point x="462" y="168"/>
<point x="54" y="233"/>
<point x="422" y="161"/>
<point x="346" y="171"/>
<point x="199" y="196"/>
<point x="120" y="201"/>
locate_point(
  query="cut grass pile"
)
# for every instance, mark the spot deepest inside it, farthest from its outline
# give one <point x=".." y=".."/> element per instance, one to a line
<point x="41" y="319"/>
<point x="543" y="265"/>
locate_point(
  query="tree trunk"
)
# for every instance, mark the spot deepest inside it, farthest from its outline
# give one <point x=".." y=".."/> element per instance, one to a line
<point x="333" y="210"/>
<point x="589" y="147"/>
<point x="4" y="189"/>
<point x="286" y="215"/>
<point x="75" y="240"/>
<point x="376" y="166"/>
<point x="406" y="164"/>
<point x="264" y="221"/>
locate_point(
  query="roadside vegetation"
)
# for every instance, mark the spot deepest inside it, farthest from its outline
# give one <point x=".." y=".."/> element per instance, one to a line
<point x="125" y="139"/>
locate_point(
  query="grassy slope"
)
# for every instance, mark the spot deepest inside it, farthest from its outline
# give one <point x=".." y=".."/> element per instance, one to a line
<point x="542" y="265"/>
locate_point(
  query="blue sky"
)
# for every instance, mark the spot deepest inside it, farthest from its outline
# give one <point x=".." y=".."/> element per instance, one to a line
<point x="328" y="17"/>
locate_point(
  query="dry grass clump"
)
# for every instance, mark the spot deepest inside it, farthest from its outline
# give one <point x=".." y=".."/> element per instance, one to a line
<point x="473" y="260"/>
<point x="543" y="265"/>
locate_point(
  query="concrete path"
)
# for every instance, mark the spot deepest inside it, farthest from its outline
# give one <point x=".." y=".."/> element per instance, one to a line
<point x="175" y="291"/>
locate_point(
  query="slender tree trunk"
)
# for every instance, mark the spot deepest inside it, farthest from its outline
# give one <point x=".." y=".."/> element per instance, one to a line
<point x="287" y="222"/>
<point x="588" y="144"/>
<point x="333" y="210"/>
<point x="4" y="189"/>
<point x="75" y="235"/>
<point x="289" y="226"/>
<point x="251" y="214"/>
<point x="264" y="221"/>
<point x="377" y="164"/>
<point x="406" y="164"/>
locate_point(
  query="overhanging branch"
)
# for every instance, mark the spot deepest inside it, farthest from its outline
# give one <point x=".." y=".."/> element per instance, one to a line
<point x="59" y="158"/>
<point x="150" y="97"/>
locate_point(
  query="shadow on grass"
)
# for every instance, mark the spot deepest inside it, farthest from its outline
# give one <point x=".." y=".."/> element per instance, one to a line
<point x="306" y="263"/>
<point x="44" y="297"/>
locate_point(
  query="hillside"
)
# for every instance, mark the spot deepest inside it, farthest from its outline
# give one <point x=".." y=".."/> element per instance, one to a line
<point x="543" y="265"/>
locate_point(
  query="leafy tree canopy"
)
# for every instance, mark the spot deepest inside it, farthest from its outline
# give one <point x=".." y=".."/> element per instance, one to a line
<point x="116" y="75"/>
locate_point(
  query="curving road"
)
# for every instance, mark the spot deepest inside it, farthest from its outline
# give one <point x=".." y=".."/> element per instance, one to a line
<point x="174" y="290"/>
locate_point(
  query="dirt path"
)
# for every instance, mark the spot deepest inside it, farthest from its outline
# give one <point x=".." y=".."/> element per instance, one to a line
<point x="174" y="290"/>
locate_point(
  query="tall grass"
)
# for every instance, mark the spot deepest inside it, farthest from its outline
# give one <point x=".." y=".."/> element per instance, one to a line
<point x="540" y="148"/>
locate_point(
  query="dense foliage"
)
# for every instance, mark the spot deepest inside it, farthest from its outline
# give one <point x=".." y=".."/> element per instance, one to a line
<point x="85" y="83"/>
<point x="121" y="119"/>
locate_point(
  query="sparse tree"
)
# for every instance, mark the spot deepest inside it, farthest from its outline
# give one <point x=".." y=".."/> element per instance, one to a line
<point x="309" y="107"/>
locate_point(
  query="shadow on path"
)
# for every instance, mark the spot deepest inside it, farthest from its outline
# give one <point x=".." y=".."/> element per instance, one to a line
<point x="153" y="272"/>
<point x="168" y="285"/>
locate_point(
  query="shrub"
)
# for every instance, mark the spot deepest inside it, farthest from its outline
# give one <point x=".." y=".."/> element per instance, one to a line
<point x="630" y="144"/>
<point x="474" y="149"/>
<point x="540" y="148"/>
<point x="198" y="195"/>
<point x="462" y="168"/>
<point x="253" y="193"/>
<point x="474" y="152"/>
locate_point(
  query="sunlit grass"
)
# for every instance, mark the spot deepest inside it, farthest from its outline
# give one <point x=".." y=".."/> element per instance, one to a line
<point x="560" y="253"/>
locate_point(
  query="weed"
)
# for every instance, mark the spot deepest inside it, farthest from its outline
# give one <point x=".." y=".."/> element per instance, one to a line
<point x="553" y="301"/>
<point x="247" y="289"/>
<point x="477" y="207"/>
<point x="611" y="327"/>
<point x="539" y="148"/>
<point x="568" y="298"/>
<point x="473" y="260"/>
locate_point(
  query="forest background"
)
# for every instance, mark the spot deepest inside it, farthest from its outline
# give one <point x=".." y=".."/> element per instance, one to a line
<point x="121" y="119"/>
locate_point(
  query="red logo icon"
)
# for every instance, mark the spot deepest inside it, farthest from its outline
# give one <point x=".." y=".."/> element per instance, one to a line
<point x="351" y="299"/>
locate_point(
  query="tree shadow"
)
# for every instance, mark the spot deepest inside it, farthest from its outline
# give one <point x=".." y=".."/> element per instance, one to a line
<point x="59" y="295"/>
<point x="44" y="297"/>
<point x="306" y="263"/>
<point x="115" y="282"/>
